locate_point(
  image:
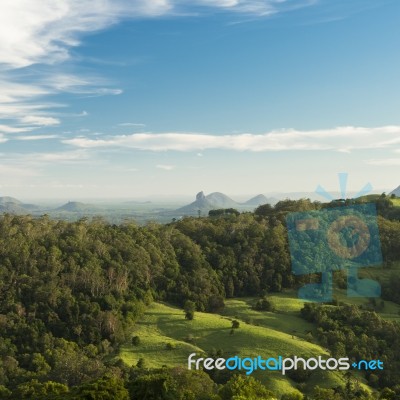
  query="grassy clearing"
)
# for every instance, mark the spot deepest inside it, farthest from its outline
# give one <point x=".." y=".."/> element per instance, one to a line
<point x="391" y="311"/>
<point x="286" y="317"/>
<point x="279" y="333"/>
<point x="269" y="334"/>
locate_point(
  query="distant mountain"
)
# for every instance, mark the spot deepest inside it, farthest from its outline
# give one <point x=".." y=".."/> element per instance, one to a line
<point x="134" y="202"/>
<point x="396" y="192"/>
<point x="14" y="206"/>
<point x="257" y="201"/>
<point x="7" y="200"/>
<point x="200" y="204"/>
<point x="76" y="207"/>
<point x="11" y="208"/>
<point x="220" y="200"/>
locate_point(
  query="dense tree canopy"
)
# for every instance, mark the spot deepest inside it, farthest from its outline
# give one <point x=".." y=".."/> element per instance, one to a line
<point x="70" y="293"/>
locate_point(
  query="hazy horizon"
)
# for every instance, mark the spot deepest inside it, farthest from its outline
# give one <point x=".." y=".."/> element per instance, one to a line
<point x="186" y="198"/>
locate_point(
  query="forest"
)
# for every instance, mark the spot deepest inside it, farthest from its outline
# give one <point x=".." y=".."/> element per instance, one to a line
<point x="71" y="292"/>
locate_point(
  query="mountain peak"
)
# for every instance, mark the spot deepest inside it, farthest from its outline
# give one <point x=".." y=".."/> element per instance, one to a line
<point x="258" y="200"/>
<point x="396" y="192"/>
<point x="200" y="196"/>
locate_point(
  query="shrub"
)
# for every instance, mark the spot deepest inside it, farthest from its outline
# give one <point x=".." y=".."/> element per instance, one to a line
<point x="135" y="341"/>
<point x="170" y="346"/>
<point x="264" y="305"/>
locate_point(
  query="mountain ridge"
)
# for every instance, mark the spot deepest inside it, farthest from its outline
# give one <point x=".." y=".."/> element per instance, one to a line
<point x="217" y="200"/>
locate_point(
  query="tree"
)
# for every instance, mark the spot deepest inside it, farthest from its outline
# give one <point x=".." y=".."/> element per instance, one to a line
<point x="240" y="387"/>
<point x="189" y="308"/>
<point x="264" y="305"/>
<point x="292" y="396"/>
<point x="135" y="341"/>
<point x="38" y="390"/>
<point x="106" y="388"/>
<point x="141" y="363"/>
<point x="235" y="324"/>
<point x="325" y="394"/>
<point x="171" y="384"/>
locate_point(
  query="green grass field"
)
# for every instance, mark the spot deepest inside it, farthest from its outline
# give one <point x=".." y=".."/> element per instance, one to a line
<point x="268" y="334"/>
<point x="396" y="202"/>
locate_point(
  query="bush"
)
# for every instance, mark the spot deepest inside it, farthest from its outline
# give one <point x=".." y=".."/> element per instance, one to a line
<point x="170" y="346"/>
<point x="264" y="305"/>
<point x="292" y="396"/>
<point x="135" y="341"/>
<point x="235" y="324"/>
<point x="189" y="308"/>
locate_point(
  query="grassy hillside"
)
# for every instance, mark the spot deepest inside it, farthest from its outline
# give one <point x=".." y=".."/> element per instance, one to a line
<point x="396" y="202"/>
<point x="268" y="334"/>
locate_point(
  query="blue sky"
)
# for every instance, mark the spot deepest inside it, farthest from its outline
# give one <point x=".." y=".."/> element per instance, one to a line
<point x="146" y="97"/>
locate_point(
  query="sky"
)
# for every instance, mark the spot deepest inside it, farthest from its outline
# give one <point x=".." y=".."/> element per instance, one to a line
<point x="147" y="98"/>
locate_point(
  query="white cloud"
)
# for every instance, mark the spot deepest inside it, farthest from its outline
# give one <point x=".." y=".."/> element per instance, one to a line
<point x="166" y="167"/>
<point x="65" y="156"/>
<point x="22" y="103"/>
<point x="132" y="124"/>
<point x="40" y="121"/>
<point x="35" y="137"/>
<point x="258" y="7"/>
<point x="45" y="31"/>
<point x="33" y="160"/>
<point x="13" y="91"/>
<point x="78" y="85"/>
<point x="12" y="129"/>
<point x="327" y="139"/>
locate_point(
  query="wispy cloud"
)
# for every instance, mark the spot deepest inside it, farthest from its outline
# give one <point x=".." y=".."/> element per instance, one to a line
<point x="39" y="121"/>
<point x="12" y="129"/>
<point x="61" y="157"/>
<point x="21" y="105"/>
<point x="45" y="31"/>
<point x="74" y="84"/>
<point x="344" y="139"/>
<point x="39" y="159"/>
<point x="35" y="137"/>
<point x="166" y="167"/>
<point x="132" y="124"/>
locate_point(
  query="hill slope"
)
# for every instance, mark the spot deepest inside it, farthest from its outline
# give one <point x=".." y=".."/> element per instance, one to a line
<point x="266" y="334"/>
<point x="201" y="204"/>
<point x="220" y="200"/>
<point x="257" y="201"/>
<point x="77" y="207"/>
<point x="396" y="192"/>
<point x="14" y="206"/>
